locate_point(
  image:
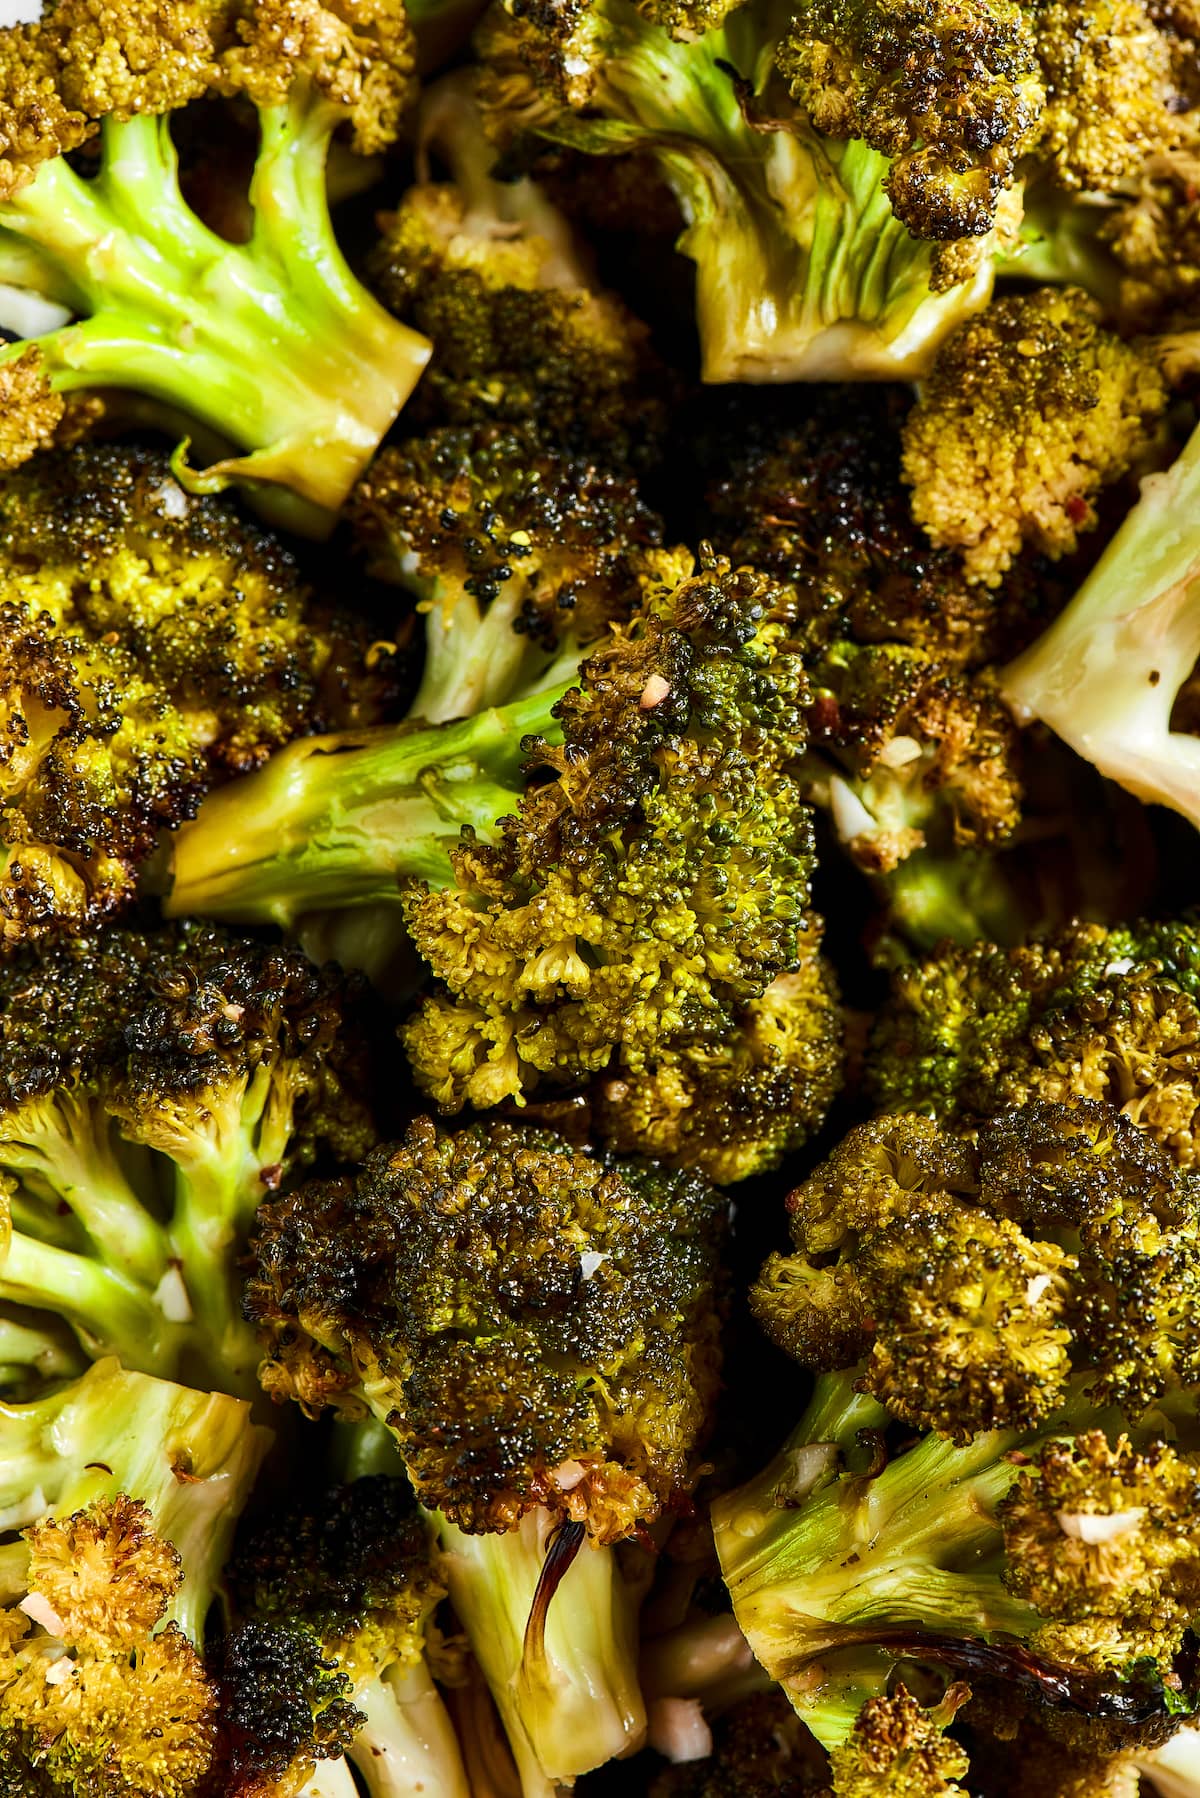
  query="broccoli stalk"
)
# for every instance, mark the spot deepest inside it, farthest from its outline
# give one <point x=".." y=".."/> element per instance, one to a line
<point x="189" y="1457"/>
<point x="1107" y="673"/>
<point x="406" y="1745"/>
<point x="273" y="344"/>
<point x="345" y="821"/>
<point x="571" y="1700"/>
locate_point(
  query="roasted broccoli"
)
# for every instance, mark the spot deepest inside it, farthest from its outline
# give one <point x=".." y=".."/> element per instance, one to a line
<point x="154" y="1088"/>
<point x="328" y="1655"/>
<point x="153" y="644"/>
<point x="126" y="1491"/>
<point x="642" y="918"/>
<point x="1086" y="1012"/>
<point x="1030" y="409"/>
<point x="1108" y="674"/>
<point x="271" y="346"/>
<point x="540" y="1333"/>
<point x="760" y="1750"/>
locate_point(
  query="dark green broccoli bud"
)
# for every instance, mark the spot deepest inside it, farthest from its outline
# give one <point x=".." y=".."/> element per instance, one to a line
<point x="838" y="1573"/>
<point x="497" y="278"/>
<point x="284" y="1707"/>
<point x="952" y="95"/>
<point x="346" y="1583"/>
<point x="1085" y="1012"/>
<point x="760" y="1750"/>
<point x="803" y="270"/>
<point x="155" y="1088"/>
<point x="519" y="554"/>
<point x="540" y="1333"/>
<point x="642" y="917"/>
<point x="899" y="1749"/>
<point x="1030" y="409"/>
<point x="1112" y="669"/>
<point x="270" y="345"/>
<point x="152" y="643"/>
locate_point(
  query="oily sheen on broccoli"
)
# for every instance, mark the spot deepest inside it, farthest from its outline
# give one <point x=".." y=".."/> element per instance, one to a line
<point x="629" y="901"/>
<point x="151" y="644"/>
<point x="271" y="345"/>
<point x="540" y="1333"/>
<point x="154" y="1088"/>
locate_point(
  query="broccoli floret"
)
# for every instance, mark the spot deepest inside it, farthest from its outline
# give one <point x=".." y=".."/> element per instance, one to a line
<point x="978" y="1281"/>
<point x="1029" y="410"/>
<point x="1108" y="673"/>
<point x="271" y="345"/>
<point x="953" y="97"/>
<point x="803" y="270"/>
<point x="540" y="1333"/>
<point x="1153" y="237"/>
<point x="154" y="1088"/>
<point x="760" y="1750"/>
<point x="837" y="1573"/>
<point x="151" y="643"/>
<point x="899" y="1749"/>
<point x="329" y="1656"/>
<point x="1085" y="1012"/>
<point x="520" y="555"/>
<point x="494" y="274"/>
<point x="640" y="918"/>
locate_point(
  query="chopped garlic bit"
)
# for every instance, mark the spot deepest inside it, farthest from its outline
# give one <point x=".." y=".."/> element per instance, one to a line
<point x="1094" y="1527"/>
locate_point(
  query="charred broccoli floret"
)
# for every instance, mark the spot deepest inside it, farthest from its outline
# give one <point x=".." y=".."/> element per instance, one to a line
<point x="271" y="345"/>
<point x="631" y="905"/>
<point x="900" y="1749"/>
<point x="1029" y="410"/>
<point x="151" y="643"/>
<point x="126" y="1491"/>
<point x="343" y="1589"/>
<point x="154" y="1088"/>
<point x="979" y="1281"/>
<point x="540" y="1333"/>
<point x="1112" y="675"/>
<point x="1086" y="1012"/>
<point x="519" y="554"/>
<point x="499" y="281"/>
<point x="942" y="1556"/>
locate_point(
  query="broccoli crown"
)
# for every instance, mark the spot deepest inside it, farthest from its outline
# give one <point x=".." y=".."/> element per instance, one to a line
<point x="512" y="545"/>
<point x="952" y="95"/>
<point x="899" y="1748"/>
<point x="1085" y="1012"/>
<point x="1030" y="409"/>
<point x="533" y="1327"/>
<point x="1152" y="233"/>
<point x="284" y="1708"/>
<point x="271" y="344"/>
<point x="491" y="272"/>
<point x="647" y="893"/>
<point x="979" y="1281"/>
<point x="95" y="1696"/>
<point x="152" y="642"/>
<point x="184" y="1066"/>
<point x="760" y="1750"/>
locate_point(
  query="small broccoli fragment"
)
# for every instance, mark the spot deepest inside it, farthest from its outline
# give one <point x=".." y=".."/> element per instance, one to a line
<point x="328" y="1657"/>
<point x="540" y="1333"/>
<point x="155" y="1088"/>
<point x="271" y="344"/>
<point x="937" y="1555"/>
<point x="1085" y="1012"/>
<point x="520" y="554"/>
<point x="1029" y="410"/>
<point x="979" y="1281"/>
<point x="760" y="1750"/>
<point x="899" y="1749"/>
<point x="952" y="96"/>
<point x="151" y="643"/>
<point x="629" y="904"/>
<point x="803" y="270"/>
<point x="497" y="278"/>
<point x="1107" y="674"/>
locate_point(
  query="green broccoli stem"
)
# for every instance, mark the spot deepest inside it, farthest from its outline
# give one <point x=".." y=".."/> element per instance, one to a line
<point x="476" y="658"/>
<point x="110" y="1313"/>
<point x="1105" y="675"/>
<point x="332" y="1779"/>
<point x="580" y="1704"/>
<point x="407" y="1746"/>
<point x="34" y="1350"/>
<point x="273" y="343"/>
<point x="190" y="1457"/>
<point x="813" y="1563"/>
<point x="336" y="822"/>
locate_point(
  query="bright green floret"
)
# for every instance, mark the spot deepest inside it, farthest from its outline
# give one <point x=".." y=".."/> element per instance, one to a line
<point x="271" y="346"/>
